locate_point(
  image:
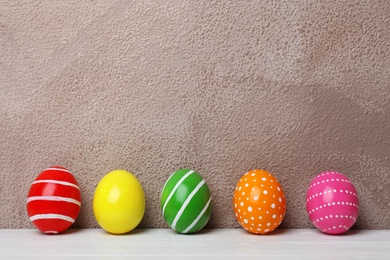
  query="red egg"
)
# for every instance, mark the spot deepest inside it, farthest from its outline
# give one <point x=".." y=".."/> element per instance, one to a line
<point x="54" y="200"/>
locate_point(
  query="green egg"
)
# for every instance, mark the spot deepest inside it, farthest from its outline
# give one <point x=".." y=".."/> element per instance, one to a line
<point x="186" y="201"/>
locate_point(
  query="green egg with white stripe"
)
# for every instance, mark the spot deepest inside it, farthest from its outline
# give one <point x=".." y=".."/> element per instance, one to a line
<point x="186" y="201"/>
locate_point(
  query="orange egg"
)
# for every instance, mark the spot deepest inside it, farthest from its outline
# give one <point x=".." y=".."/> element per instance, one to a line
<point x="259" y="203"/>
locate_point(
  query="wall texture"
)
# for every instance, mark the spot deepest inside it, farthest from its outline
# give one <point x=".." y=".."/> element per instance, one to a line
<point x="293" y="87"/>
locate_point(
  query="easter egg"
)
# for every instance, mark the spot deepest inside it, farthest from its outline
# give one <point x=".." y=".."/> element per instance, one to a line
<point x="119" y="202"/>
<point x="54" y="200"/>
<point x="332" y="202"/>
<point x="259" y="203"/>
<point x="186" y="201"/>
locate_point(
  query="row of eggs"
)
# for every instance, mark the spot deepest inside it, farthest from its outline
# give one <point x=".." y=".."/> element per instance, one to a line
<point x="259" y="204"/>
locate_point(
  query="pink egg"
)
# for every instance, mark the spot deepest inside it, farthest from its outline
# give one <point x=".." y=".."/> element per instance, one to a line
<point x="332" y="203"/>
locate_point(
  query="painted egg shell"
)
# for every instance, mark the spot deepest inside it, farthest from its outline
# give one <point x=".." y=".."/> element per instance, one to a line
<point x="332" y="203"/>
<point x="259" y="203"/>
<point x="186" y="201"/>
<point x="119" y="202"/>
<point x="54" y="200"/>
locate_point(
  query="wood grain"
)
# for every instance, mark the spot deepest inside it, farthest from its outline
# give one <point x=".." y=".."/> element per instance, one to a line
<point x="211" y="243"/>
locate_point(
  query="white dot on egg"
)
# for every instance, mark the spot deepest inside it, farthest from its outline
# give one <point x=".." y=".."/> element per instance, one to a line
<point x="235" y="205"/>
<point x="263" y="179"/>
<point x="250" y="209"/>
<point x="243" y="193"/>
<point x="268" y="224"/>
<point x="274" y="216"/>
<point x="245" y="221"/>
<point x="273" y="205"/>
<point x="253" y="174"/>
<point x="278" y="188"/>
<point x="247" y="184"/>
<point x="239" y="188"/>
<point x="265" y="192"/>
<point x="256" y="197"/>
<point x="242" y="203"/>
<point x="280" y="199"/>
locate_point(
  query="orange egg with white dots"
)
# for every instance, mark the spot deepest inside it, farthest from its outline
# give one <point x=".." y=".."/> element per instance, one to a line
<point x="259" y="203"/>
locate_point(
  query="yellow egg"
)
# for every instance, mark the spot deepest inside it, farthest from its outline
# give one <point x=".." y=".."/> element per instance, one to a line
<point x="119" y="202"/>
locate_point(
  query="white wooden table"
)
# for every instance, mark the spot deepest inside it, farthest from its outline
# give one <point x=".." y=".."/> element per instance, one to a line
<point x="212" y="243"/>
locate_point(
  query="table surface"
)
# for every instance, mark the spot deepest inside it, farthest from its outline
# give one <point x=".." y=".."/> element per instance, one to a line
<point x="211" y="243"/>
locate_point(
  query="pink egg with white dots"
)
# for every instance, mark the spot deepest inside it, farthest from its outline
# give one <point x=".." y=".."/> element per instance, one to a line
<point x="332" y="202"/>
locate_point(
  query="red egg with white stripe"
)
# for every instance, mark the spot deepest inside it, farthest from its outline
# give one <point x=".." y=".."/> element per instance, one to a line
<point x="54" y="200"/>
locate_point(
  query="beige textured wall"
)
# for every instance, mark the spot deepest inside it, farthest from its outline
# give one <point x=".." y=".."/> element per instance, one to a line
<point x="294" y="87"/>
